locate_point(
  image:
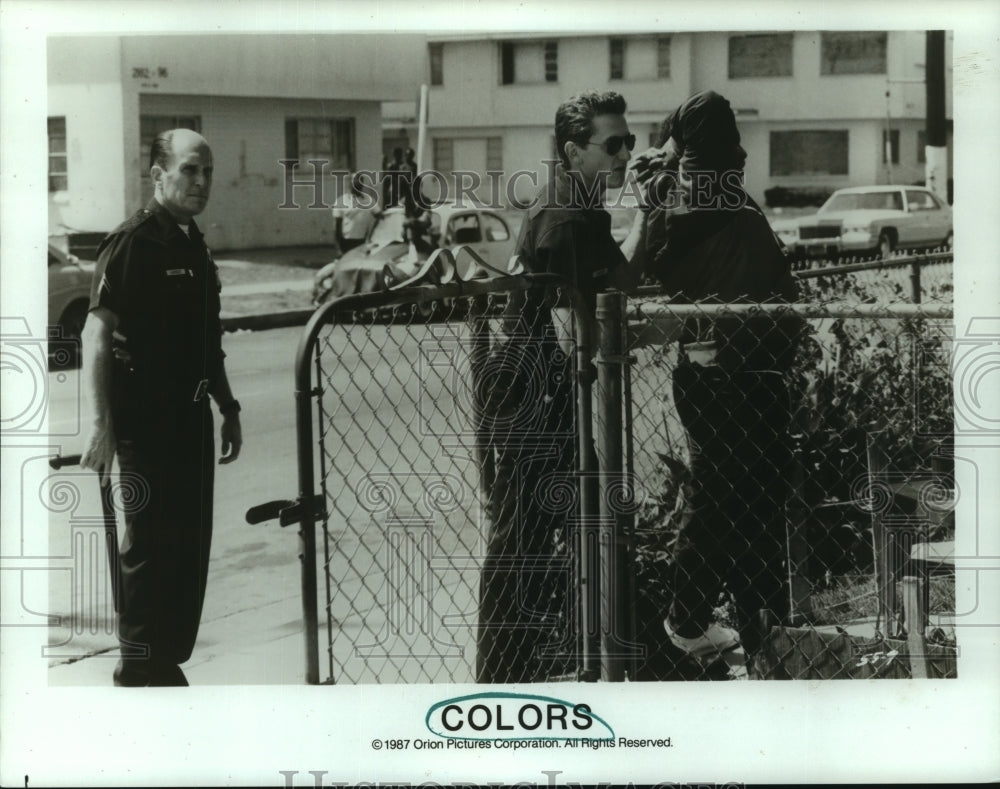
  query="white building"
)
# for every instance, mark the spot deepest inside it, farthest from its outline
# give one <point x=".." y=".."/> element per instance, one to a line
<point x="258" y="99"/>
<point x="814" y="108"/>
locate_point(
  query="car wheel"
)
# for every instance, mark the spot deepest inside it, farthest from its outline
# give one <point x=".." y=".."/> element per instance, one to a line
<point x="885" y="244"/>
<point x="949" y="240"/>
<point x="64" y="353"/>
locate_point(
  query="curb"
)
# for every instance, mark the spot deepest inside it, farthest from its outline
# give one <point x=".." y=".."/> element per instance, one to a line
<point x="268" y="320"/>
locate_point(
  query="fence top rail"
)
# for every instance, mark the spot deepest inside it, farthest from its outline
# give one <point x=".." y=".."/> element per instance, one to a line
<point x="327" y="313"/>
<point x="873" y="265"/>
<point x="847" y="268"/>
<point x="651" y="310"/>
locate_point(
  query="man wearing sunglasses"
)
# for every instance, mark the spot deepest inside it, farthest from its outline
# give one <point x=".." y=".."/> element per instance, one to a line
<point x="567" y="231"/>
<point x="523" y="593"/>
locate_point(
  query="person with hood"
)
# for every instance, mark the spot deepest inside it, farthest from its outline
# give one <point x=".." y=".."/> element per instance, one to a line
<point x="706" y="240"/>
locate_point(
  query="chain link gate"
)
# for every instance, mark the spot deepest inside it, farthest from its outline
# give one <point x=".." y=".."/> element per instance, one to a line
<point x="870" y="487"/>
<point x="415" y="435"/>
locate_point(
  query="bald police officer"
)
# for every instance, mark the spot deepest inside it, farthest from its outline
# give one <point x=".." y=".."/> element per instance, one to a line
<point x="152" y="357"/>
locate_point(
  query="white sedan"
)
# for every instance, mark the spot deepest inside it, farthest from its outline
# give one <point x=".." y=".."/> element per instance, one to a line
<point x="870" y="218"/>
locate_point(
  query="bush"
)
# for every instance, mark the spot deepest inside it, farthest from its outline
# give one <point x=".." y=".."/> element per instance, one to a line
<point x="852" y="377"/>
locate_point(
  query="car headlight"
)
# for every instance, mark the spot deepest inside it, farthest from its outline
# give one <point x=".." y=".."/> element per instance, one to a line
<point x="864" y="230"/>
<point x="787" y="232"/>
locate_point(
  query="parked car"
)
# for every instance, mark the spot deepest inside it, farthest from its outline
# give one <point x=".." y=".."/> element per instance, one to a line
<point x="393" y="252"/>
<point x="870" y="218"/>
<point x="69" y="298"/>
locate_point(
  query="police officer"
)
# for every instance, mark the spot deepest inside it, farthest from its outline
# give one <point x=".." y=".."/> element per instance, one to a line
<point x="152" y="357"/>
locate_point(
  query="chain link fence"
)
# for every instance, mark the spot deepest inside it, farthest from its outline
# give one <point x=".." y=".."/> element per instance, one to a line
<point x="804" y="499"/>
<point x="441" y="436"/>
<point x="920" y="278"/>
<point x="499" y="484"/>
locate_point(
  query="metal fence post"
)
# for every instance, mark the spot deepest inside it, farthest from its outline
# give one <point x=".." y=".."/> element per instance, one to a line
<point x="797" y="545"/>
<point x="479" y="351"/>
<point x="307" y="526"/>
<point x="587" y="538"/>
<point x="915" y="281"/>
<point x="613" y="526"/>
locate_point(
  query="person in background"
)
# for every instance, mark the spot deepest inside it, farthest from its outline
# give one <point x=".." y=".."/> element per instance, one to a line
<point x="391" y="179"/>
<point x="353" y="216"/>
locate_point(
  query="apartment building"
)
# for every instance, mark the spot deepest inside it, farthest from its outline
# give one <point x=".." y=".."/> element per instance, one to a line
<point x="258" y="99"/>
<point x="815" y="109"/>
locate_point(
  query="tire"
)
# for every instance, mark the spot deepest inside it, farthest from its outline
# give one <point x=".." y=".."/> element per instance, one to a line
<point x="949" y="240"/>
<point x="886" y="243"/>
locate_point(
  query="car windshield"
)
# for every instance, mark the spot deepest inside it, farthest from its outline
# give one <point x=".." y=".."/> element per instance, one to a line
<point x="853" y="201"/>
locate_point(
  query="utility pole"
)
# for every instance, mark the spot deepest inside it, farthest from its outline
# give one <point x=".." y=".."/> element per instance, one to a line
<point x="936" y="151"/>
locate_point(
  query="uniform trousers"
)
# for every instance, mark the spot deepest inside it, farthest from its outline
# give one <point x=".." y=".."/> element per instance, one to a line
<point x="167" y="473"/>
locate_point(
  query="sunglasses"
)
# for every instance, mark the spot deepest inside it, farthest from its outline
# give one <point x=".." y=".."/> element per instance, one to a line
<point x="614" y="144"/>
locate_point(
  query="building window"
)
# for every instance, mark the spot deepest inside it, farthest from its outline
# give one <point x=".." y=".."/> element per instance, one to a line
<point x="444" y="155"/>
<point x="922" y="146"/>
<point x="765" y="55"/>
<point x="809" y="152"/>
<point x="494" y="153"/>
<point x="329" y="140"/>
<point x="58" y="178"/>
<point x="616" y="56"/>
<point x="529" y="62"/>
<point x="506" y="63"/>
<point x="149" y="127"/>
<point x="853" y="53"/>
<point x="890" y="141"/>
<point x="638" y="58"/>
<point x="436" y="55"/>
<point x="663" y="58"/>
<point x="551" y="61"/>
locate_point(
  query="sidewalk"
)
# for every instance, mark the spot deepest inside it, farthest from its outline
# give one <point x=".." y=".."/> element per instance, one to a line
<point x="229" y="652"/>
<point x="268" y="288"/>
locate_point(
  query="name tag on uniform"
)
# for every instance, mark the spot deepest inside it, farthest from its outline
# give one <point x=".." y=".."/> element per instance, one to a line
<point x="176" y="272"/>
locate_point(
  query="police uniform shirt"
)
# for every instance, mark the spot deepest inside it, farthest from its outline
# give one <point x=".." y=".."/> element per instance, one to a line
<point x="164" y="288"/>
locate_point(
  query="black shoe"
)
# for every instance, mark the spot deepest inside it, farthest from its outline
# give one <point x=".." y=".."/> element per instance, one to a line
<point x="166" y="675"/>
<point x="131" y="674"/>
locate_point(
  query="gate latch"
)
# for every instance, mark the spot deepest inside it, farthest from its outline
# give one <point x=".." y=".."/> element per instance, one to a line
<point x="287" y="511"/>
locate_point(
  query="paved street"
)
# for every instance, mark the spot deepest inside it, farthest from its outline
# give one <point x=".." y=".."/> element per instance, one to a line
<point x="252" y="627"/>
